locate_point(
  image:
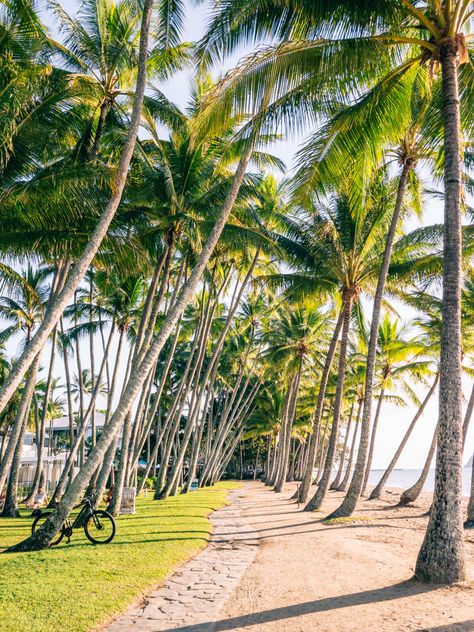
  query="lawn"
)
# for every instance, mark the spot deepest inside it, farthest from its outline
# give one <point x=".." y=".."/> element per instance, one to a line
<point x="77" y="586"/>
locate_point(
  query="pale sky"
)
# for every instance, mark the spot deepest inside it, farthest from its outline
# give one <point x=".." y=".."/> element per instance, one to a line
<point x="394" y="420"/>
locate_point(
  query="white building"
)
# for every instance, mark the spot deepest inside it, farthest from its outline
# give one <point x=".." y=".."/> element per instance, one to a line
<point x="54" y="457"/>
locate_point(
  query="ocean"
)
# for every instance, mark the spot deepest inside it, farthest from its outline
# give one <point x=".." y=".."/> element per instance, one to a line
<point x="406" y="478"/>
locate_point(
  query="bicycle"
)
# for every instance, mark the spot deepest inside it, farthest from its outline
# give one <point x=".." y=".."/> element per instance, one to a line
<point x="99" y="526"/>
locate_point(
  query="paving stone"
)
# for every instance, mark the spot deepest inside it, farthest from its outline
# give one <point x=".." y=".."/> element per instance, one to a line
<point x="195" y="593"/>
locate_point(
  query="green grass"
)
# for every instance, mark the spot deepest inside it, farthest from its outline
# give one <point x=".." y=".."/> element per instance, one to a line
<point x="77" y="586"/>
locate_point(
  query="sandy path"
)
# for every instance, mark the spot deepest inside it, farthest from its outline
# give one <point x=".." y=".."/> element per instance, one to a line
<point x="348" y="578"/>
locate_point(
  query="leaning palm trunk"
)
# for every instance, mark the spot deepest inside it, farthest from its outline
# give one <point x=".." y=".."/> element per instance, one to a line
<point x="3" y="445"/>
<point x="380" y="485"/>
<point x="152" y="413"/>
<point x="210" y="374"/>
<point x="70" y="410"/>
<point x="469" y="524"/>
<point x="18" y="425"/>
<point x="106" y="469"/>
<point x="313" y="442"/>
<point x="411" y="494"/>
<point x="138" y="374"/>
<point x="318" y="498"/>
<point x="355" y="487"/>
<point x="322" y="448"/>
<point x="11" y="507"/>
<point x="116" y="502"/>
<point x="336" y="482"/>
<point x="467" y="416"/>
<point x="281" y="439"/>
<point x="345" y="481"/>
<point x="280" y="484"/>
<point x="81" y="431"/>
<point x="441" y="557"/>
<point x="81" y="266"/>
<point x="236" y="424"/>
<point x="372" y="441"/>
<point x="44" y="413"/>
<point x="174" y="415"/>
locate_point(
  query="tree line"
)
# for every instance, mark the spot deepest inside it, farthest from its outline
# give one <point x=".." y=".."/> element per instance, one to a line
<point x="218" y="298"/>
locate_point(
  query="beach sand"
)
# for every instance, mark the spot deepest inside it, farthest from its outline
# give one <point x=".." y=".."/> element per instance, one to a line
<point x="351" y="577"/>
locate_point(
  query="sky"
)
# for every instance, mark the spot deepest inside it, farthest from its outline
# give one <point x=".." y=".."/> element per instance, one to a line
<point x="394" y="420"/>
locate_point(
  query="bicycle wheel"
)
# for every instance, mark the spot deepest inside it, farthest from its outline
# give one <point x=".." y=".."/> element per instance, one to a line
<point x="100" y="527"/>
<point x="39" y="521"/>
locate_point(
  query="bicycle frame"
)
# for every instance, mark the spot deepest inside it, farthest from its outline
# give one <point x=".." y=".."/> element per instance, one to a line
<point x="85" y="513"/>
<point x="78" y="521"/>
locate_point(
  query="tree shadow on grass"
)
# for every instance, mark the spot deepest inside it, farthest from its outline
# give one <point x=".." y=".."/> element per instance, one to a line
<point x="387" y="593"/>
<point x="115" y="543"/>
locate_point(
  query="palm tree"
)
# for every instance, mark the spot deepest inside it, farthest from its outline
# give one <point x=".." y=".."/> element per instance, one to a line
<point x="339" y="251"/>
<point x="291" y="344"/>
<point x="144" y="365"/>
<point x="382" y="33"/>
<point x="82" y="264"/>
<point x="24" y="309"/>
<point x="400" y="365"/>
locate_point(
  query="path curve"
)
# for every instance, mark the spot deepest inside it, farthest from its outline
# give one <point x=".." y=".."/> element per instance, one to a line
<point x="195" y="593"/>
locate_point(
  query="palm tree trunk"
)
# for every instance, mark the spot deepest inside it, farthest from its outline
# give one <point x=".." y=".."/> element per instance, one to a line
<point x="82" y="427"/>
<point x="411" y="494"/>
<point x="116" y="502"/>
<point x="80" y="386"/>
<point x="10" y="508"/>
<point x="106" y="469"/>
<point x="139" y="373"/>
<point x="67" y="373"/>
<point x="81" y="266"/>
<point x="281" y="438"/>
<point x="290" y="420"/>
<point x="4" y="443"/>
<point x="313" y="442"/>
<point x="44" y="413"/>
<point x="318" y="498"/>
<point x="156" y="403"/>
<point x="372" y="441"/>
<point x="469" y="524"/>
<point x="380" y="485"/>
<point x="103" y="111"/>
<point x="355" y="487"/>
<point x="257" y="456"/>
<point x="441" y="557"/>
<point x="467" y="416"/>
<point x="343" y="486"/>
<point x="17" y="428"/>
<point x="336" y="482"/>
<point x="92" y="361"/>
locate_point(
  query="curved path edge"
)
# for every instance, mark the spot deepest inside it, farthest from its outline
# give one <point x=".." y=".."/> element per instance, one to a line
<point x="196" y="592"/>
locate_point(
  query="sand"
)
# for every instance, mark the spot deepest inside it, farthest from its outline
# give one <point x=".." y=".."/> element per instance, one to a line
<point x="353" y="577"/>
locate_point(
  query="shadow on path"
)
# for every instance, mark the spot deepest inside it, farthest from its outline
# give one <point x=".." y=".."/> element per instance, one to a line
<point x="388" y="593"/>
<point x="451" y="627"/>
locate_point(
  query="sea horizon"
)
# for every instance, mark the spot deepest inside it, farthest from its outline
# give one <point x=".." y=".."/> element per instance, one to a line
<point x="405" y="477"/>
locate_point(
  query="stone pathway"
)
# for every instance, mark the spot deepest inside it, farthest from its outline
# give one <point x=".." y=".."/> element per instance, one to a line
<point x="193" y="596"/>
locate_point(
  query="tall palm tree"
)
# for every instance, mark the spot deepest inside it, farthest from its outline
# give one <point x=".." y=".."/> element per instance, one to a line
<point x="169" y="25"/>
<point x="23" y="309"/>
<point x="339" y="251"/>
<point x="395" y="34"/>
<point x="400" y="364"/>
<point x="292" y="341"/>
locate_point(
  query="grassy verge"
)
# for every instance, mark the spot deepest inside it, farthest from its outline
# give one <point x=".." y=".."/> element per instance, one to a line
<point x="77" y="586"/>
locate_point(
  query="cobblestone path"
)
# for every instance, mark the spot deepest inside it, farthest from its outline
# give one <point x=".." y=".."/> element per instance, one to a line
<point x="195" y="593"/>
